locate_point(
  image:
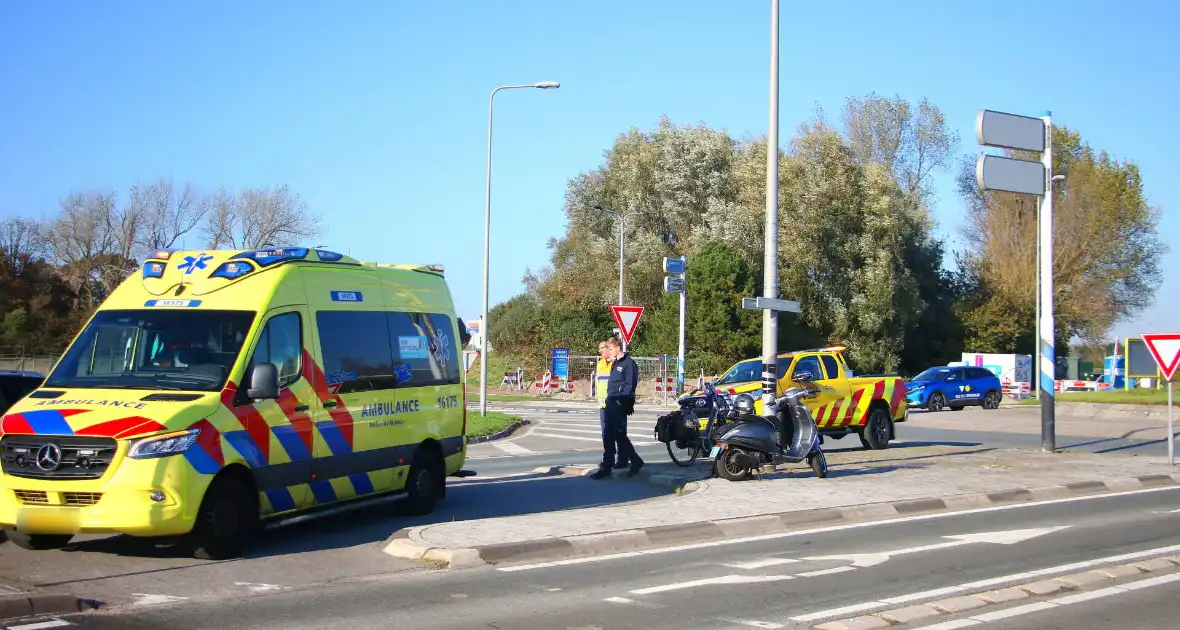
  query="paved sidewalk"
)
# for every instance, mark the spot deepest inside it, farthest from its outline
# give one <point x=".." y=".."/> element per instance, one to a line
<point x="862" y="485"/>
<point x="1139" y="423"/>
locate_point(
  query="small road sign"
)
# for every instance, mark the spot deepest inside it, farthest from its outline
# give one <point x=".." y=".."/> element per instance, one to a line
<point x="627" y="317"/>
<point x="994" y="172"/>
<point x="770" y="304"/>
<point x="1165" y="349"/>
<point x="1009" y="131"/>
<point x="673" y="284"/>
<point x="673" y="265"/>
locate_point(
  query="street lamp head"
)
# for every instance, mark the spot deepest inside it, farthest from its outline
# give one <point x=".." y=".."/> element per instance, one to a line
<point x="547" y="85"/>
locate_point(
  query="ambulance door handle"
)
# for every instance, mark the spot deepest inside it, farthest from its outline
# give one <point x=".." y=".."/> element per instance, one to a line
<point x="302" y="408"/>
<point x="328" y="404"/>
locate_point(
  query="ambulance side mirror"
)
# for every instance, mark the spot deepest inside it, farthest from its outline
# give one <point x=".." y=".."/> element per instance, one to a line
<point x="264" y="382"/>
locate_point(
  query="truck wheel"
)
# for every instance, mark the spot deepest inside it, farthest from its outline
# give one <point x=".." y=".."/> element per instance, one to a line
<point x="424" y="484"/>
<point x="876" y="432"/>
<point x="39" y="542"/>
<point x="227" y="520"/>
<point x="937" y="402"/>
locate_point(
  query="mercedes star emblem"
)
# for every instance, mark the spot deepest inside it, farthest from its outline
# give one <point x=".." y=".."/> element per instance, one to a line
<point x="49" y="457"/>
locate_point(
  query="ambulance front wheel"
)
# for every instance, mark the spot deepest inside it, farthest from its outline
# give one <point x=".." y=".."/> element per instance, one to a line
<point x="38" y="542"/>
<point x="227" y="520"/>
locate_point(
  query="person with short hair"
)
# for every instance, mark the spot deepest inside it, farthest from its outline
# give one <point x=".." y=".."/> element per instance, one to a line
<point x="620" y="403"/>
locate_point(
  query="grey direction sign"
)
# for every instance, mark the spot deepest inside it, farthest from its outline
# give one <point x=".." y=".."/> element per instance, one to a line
<point x="673" y="265"/>
<point x="770" y="304"/>
<point x="673" y="284"/>
<point x="994" y="172"/>
<point x="1009" y="131"/>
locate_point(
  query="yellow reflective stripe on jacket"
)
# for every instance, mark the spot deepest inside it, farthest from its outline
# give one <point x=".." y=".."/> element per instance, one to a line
<point x="602" y="378"/>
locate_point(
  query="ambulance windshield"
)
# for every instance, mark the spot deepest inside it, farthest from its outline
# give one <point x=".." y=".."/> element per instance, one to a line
<point x="154" y="349"/>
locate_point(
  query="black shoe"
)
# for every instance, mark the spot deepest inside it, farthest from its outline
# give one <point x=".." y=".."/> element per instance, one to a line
<point x="621" y="465"/>
<point x="635" y="466"/>
<point x="601" y="473"/>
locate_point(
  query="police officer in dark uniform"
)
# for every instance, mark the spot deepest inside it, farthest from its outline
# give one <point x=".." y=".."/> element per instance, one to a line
<point x="620" y="403"/>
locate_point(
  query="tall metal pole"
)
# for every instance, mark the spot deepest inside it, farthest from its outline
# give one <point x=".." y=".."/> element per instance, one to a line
<point x="485" y="328"/>
<point x="680" y="353"/>
<point x="622" y="225"/>
<point x="1048" y="371"/>
<point x="1037" y="299"/>
<point x="770" y="272"/>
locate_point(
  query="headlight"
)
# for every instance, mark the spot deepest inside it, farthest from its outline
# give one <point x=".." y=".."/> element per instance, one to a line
<point x="163" y="445"/>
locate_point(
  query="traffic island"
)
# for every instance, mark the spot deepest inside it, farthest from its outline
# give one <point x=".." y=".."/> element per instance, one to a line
<point x="902" y="481"/>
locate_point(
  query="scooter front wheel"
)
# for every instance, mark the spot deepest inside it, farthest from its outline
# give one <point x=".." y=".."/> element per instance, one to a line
<point x="730" y="466"/>
<point x="818" y="463"/>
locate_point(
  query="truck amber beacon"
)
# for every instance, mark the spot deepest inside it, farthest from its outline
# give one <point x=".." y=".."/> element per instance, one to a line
<point x="215" y="392"/>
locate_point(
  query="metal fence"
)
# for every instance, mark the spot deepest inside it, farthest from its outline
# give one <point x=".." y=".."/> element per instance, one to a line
<point x="38" y="363"/>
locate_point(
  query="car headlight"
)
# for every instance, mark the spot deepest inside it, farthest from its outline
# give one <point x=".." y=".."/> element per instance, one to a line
<point x="163" y="445"/>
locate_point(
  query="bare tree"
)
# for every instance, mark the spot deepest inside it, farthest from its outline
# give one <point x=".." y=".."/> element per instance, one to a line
<point x="259" y="217"/>
<point x="80" y="240"/>
<point x="165" y="213"/>
<point x="20" y="238"/>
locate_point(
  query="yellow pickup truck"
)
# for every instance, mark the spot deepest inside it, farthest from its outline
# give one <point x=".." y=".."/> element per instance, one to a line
<point x="867" y="406"/>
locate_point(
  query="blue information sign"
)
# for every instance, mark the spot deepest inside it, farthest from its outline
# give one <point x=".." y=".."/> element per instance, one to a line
<point x="561" y="362"/>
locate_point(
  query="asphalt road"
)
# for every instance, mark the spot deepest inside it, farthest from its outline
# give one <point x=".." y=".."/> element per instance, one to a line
<point x="782" y="581"/>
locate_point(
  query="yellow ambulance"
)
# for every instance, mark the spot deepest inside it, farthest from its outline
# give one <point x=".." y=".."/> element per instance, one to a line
<point x="218" y="392"/>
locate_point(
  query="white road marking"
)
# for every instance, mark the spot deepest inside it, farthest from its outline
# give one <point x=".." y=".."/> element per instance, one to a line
<point x="755" y="624"/>
<point x="984" y="584"/>
<point x="822" y="530"/>
<point x="725" y="579"/>
<point x="41" y="625"/>
<point x="585" y="439"/>
<point x="512" y="447"/>
<point x="595" y="431"/>
<point x="619" y="600"/>
<point x="759" y="564"/>
<point x="1056" y="603"/>
<point x="147" y="599"/>
<point x="260" y="588"/>
<point x="1009" y="537"/>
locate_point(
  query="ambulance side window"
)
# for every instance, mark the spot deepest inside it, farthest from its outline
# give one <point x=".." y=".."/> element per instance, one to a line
<point x="281" y="343"/>
<point x="356" y="350"/>
<point x="424" y="348"/>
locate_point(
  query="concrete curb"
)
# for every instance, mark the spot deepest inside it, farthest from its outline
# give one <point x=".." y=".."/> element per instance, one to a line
<point x="509" y="430"/>
<point x="29" y="605"/>
<point x="407" y="543"/>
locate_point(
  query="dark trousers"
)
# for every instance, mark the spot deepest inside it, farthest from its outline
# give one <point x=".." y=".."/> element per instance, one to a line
<point x="614" y="436"/>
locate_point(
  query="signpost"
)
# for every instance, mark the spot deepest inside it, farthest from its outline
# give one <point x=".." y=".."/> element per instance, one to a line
<point x="560" y="359"/>
<point x="1025" y="133"/>
<point x="627" y="318"/>
<point x="1165" y="349"/>
<point x="678" y="283"/>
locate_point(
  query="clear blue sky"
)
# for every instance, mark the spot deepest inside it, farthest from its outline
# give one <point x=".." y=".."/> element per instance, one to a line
<point x="375" y="111"/>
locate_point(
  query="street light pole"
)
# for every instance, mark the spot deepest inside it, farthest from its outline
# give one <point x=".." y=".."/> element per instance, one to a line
<point x="485" y="329"/>
<point x="770" y="264"/>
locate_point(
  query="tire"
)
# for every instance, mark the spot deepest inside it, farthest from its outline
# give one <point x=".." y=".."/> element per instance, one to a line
<point x="227" y="520"/>
<point x="991" y="401"/>
<point x="684" y="457"/>
<point x="876" y="431"/>
<point x="425" y="484"/>
<point x="819" y="464"/>
<point x="957" y="408"/>
<point x="936" y="403"/>
<point x="727" y="467"/>
<point x="39" y="542"/>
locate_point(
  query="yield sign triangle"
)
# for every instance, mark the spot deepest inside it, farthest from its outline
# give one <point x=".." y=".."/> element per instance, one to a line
<point x="627" y="317"/>
<point x="1165" y="349"/>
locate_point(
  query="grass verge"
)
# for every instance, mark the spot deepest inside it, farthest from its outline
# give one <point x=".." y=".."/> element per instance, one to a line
<point x="479" y="426"/>
<point x="1136" y="396"/>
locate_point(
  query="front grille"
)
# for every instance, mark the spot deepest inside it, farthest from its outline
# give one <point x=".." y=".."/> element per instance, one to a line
<point x="43" y="393"/>
<point x="31" y="496"/>
<point x="81" y="457"/>
<point x="170" y="397"/>
<point x="80" y="498"/>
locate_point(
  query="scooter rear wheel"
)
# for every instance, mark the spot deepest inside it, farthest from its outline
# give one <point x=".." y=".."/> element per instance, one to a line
<point x="729" y="465"/>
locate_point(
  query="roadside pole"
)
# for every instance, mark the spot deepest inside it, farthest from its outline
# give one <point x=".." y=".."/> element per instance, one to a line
<point x="993" y="172"/>
<point x="677" y="282"/>
<point x="1165" y="349"/>
<point x="770" y="261"/>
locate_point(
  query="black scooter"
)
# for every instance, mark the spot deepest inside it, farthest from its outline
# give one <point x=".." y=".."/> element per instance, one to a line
<point x="787" y="435"/>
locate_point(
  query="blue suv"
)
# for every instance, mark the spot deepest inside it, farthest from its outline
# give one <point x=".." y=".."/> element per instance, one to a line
<point x="954" y="387"/>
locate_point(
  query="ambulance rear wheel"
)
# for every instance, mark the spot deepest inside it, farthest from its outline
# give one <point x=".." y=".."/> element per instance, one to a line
<point x="227" y="520"/>
<point x="426" y="483"/>
<point x="39" y="542"/>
